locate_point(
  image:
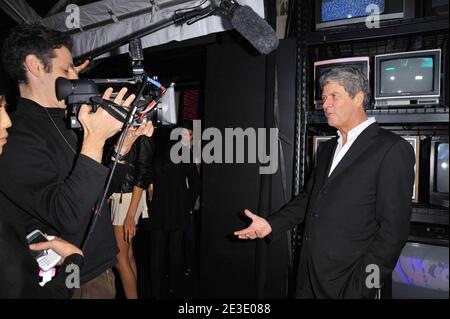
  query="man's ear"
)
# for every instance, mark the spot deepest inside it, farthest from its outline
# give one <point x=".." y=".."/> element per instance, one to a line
<point x="34" y="65"/>
<point x="359" y="98"/>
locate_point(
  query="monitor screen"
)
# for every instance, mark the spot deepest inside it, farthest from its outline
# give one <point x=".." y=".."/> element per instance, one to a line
<point x="333" y="10"/>
<point x="342" y="13"/>
<point x="317" y="141"/>
<point x="442" y="168"/>
<point x="413" y="75"/>
<point x="415" y="143"/>
<point x="421" y="272"/>
<point x="167" y="108"/>
<point x="321" y="67"/>
<point x="408" y="78"/>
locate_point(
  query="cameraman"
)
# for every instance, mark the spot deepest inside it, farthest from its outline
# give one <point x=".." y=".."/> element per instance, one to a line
<point x="48" y="180"/>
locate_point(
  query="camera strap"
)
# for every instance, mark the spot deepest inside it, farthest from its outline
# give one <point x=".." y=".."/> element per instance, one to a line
<point x="115" y="110"/>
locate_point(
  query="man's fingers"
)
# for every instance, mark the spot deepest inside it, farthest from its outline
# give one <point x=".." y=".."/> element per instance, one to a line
<point x="40" y="246"/>
<point x="107" y="93"/>
<point x="120" y="95"/>
<point x="249" y="214"/>
<point x="246" y="235"/>
<point x="129" y="100"/>
<point x="252" y="236"/>
<point x="243" y="232"/>
<point x="81" y="67"/>
<point x="85" y="108"/>
<point x="84" y="111"/>
<point x="149" y="129"/>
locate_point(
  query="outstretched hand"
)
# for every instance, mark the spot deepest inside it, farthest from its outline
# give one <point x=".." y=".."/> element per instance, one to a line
<point x="259" y="228"/>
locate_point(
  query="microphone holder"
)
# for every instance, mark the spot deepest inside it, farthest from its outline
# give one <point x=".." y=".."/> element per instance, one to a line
<point x="192" y="16"/>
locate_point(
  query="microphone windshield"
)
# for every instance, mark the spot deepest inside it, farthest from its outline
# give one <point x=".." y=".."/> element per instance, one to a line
<point x="254" y="28"/>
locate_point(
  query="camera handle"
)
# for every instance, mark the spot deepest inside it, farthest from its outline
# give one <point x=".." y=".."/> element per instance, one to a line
<point x="115" y="110"/>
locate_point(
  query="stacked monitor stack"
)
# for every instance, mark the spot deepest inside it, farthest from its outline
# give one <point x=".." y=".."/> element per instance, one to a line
<point x="402" y="81"/>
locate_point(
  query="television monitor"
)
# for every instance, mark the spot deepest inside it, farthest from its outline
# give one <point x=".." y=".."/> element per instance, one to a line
<point x="421" y="272"/>
<point x="320" y="67"/>
<point x="439" y="171"/>
<point x="415" y="143"/>
<point x="407" y="78"/>
<point x="166" y="109"/>
<point x="317" y="140"/>
<point x="339" y="13"/>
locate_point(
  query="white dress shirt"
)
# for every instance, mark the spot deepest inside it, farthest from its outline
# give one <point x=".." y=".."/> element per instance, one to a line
<point x="342" y="149"/>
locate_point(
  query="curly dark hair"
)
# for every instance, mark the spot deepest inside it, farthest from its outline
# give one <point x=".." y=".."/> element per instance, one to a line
<point x="34" y="39"/>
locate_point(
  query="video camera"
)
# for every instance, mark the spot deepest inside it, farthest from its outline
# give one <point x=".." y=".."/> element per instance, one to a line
<point x="157" y="105"/>
<point x="153" y="101"/>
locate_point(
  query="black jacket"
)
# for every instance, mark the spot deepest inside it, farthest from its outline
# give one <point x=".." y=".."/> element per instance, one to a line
<point x="357" y="217"/>
<point x="139" y="172"/>
<point x="175" y="187"/>
<point x="52" y="189"/>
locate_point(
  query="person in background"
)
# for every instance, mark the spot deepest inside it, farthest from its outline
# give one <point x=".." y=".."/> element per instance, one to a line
<point x="175" y="190"/>
<point x="128" y="203"/>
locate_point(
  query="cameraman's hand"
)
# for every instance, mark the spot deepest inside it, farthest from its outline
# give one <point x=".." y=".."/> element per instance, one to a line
<point x="78" y="69"/>
<point x="100" y="126"/>
<point x="61" y="247"/>
<point x="133" y="134"/>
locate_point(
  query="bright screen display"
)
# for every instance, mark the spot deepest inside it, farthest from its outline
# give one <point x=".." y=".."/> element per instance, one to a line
<point x="442" y="168"/>
<point x="333" y="10"/>
<point x="421" y="272"/>
<point x="406" y="76"/>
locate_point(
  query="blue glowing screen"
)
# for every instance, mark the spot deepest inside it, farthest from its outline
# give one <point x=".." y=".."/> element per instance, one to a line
<point x="442" y="168"/>
<point x="421" y="272"/>
<point x="346" y="9"/>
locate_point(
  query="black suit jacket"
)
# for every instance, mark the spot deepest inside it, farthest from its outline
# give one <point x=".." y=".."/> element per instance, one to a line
<point x="356" y="217"/>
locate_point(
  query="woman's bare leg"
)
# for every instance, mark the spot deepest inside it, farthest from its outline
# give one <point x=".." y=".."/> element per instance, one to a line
<point x="125" y="268"/>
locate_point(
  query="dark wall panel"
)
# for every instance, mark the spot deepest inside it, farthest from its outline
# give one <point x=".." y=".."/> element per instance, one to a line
<point x="234" y="97"/>
<point x="235" y="94"/>
<point x="277" y="258"/>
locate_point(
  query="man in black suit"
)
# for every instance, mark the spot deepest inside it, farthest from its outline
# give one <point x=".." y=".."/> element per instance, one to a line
<point x="357" y="203"/>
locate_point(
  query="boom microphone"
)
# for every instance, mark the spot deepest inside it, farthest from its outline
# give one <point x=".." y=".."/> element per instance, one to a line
<point x="250" y="25"/>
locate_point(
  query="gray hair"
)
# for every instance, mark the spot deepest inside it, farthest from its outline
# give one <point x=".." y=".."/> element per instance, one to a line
<point x="351" y="78"/>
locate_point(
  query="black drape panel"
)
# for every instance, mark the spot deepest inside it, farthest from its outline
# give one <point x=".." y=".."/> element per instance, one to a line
<point x="236" y="96"/>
